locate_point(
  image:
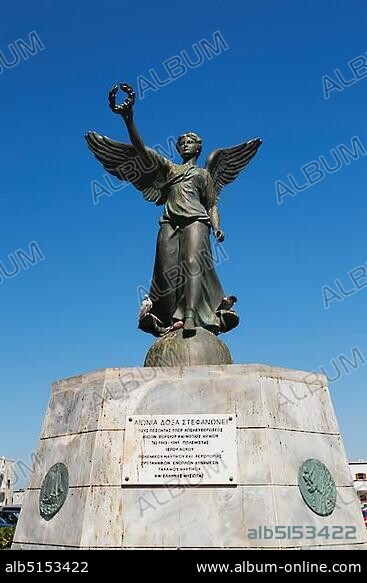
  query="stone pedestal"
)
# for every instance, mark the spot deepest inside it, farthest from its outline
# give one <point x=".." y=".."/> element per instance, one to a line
<point x="283" y="418"/>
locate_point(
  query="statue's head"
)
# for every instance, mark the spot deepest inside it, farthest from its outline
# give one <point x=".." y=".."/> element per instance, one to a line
<point x="189" y="146"/>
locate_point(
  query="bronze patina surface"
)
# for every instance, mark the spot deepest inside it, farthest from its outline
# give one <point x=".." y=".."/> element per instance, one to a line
<point x="185" y="289"/>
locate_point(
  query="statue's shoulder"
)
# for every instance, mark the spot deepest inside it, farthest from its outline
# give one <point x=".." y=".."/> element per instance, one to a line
<point x="201" y="171"/>
<point x="176" y="167"/>
<point x="204" y="173"/>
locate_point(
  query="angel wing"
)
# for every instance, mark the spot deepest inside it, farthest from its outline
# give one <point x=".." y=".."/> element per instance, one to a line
<point x="124" y="162"/>
<point x="225" y="164"/>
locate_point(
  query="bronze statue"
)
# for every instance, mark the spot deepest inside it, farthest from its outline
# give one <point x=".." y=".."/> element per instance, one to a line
<point x="185" y="289"/>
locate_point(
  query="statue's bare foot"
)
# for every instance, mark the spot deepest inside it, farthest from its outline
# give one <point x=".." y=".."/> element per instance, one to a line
<point x="176" y="326"/>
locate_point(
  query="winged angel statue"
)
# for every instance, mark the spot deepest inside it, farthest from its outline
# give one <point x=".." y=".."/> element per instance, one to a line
<point x="185" y="289"/>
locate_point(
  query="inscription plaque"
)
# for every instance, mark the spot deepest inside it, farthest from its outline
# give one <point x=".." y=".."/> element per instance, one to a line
<point x="187" y="450"/>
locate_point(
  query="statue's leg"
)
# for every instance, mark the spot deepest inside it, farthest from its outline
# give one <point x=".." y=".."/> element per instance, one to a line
<point x="166" y="275"/>
<point x="202" y="292"/>
<point x="193" y="240"/>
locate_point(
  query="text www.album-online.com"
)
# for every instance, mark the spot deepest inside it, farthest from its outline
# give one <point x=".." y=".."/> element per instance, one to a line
<point x="303" y="567"/>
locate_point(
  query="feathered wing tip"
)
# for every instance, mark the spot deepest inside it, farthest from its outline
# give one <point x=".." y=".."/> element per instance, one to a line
<point x="123" y="161"/>
<point x="225" y="164"/>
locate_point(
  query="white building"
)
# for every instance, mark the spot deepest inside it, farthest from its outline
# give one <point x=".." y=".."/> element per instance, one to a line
<point x="18" y="496"/>
<point x="359" y="475"/>
<point x="6" y="482"/>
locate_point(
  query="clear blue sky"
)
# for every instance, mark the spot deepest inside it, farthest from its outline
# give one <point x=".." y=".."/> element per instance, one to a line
<point x="75" y="311"/>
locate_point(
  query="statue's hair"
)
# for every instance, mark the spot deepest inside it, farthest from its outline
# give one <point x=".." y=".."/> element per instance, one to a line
<point x="192" y="135"/>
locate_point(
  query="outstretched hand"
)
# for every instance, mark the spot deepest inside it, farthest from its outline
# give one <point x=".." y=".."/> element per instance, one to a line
<point x="219" y="235"/>
<point x="126" y="108"/>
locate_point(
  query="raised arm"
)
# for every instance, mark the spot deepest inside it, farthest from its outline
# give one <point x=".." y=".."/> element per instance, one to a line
<point x="126" y="112"/>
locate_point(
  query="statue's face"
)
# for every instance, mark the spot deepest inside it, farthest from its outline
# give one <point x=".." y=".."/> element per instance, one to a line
<point x="188" y="147"/>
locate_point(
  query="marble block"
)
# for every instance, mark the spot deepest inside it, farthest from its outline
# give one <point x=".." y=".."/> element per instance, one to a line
<point x="283" y="418"/>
